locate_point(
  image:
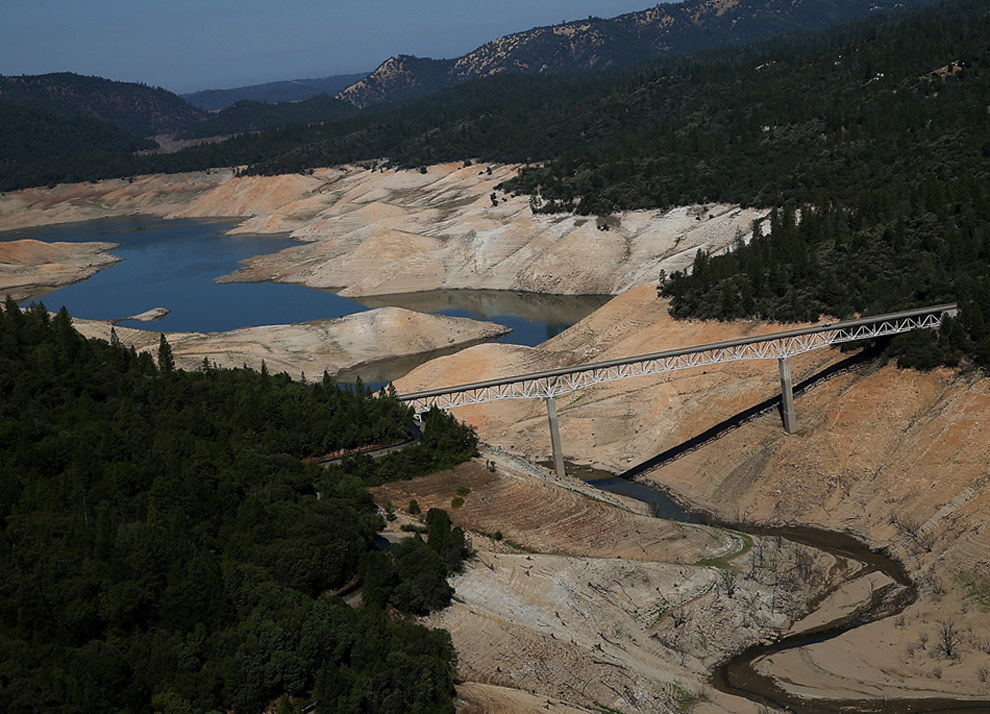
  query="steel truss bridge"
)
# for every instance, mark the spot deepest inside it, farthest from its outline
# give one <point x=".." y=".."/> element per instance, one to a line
<point x="552" y="383"/>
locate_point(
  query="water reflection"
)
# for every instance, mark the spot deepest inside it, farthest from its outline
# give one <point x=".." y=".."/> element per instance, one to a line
<point x="534" y="318"/>
<point x="661" y="505"/>
<point x="377" y="375"/>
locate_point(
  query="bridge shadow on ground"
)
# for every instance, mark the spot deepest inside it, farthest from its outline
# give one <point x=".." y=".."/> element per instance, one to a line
<point x="867" y="354"/>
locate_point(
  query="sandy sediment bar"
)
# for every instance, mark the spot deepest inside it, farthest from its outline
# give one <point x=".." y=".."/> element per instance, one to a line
<point x="310" y="348"/>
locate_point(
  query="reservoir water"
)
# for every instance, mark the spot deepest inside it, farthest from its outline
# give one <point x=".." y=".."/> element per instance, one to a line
<point x="661" y="505"/>
<point x="173" y="264"/>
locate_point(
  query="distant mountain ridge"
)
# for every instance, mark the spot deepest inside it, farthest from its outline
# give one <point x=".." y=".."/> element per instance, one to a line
<point x="54" y="116"/>
<point x="596" y="43"/>
<point x="134" y="108"/>
<point x="247" y="115"/>
<point x="292" y="90"/>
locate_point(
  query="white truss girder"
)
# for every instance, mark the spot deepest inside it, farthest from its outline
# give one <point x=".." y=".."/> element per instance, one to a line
<point x="779" y="345"/>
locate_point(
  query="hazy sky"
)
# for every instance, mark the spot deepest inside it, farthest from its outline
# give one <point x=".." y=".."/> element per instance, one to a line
<point x="186" y="45"/>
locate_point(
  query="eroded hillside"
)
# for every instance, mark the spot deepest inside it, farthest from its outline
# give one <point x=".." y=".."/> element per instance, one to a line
<point x="896" y="458"/>
<point x="368" y="232"/>
<point x="582" y="599"/>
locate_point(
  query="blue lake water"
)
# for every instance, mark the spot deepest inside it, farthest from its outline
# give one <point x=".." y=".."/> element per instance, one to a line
<point x="173" y="264"/>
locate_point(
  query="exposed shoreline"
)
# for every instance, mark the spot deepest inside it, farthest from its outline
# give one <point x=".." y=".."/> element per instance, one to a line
<point x="310" y="348"/>
<point x="917" y="485"/>
<point x="29" y="269"/>
<point x="366" y="232"/>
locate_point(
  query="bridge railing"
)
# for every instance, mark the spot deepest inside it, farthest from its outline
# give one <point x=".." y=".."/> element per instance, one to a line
<point x="778" y="345"/>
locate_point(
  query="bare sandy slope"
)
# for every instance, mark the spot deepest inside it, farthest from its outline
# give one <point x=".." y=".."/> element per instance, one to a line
<point x="154" y="195"/>
<point x="586" y="604"/>
<point x="29" y="267"/>
<point x="310" y="348"/>
<point x="370" y="232"/>
<point x="615" y="425"/>
<point x="898" y="458"/>
<point x="378" y="233"/>
<point x="901" y="460"/>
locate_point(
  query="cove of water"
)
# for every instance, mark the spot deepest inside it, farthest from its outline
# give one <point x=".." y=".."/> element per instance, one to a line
<point x="173" y="264"/>
<point x="534" y="318"/>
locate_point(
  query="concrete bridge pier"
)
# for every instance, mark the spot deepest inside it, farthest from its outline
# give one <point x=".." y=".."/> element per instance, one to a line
<point x="558" y="454"/>
<point x="787" y="396"/>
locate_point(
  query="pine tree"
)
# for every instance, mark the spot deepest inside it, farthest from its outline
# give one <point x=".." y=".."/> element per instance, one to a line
<point x="166" y="363"/>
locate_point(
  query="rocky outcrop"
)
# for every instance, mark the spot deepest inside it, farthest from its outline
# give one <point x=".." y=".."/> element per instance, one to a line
<point x="595" y="43"/>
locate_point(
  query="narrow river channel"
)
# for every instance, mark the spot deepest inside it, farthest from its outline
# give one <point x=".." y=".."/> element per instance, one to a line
<point x="738" y="676"/>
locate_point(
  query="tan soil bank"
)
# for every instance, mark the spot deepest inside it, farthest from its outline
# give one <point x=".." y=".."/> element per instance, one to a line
<point x="902" y="460"/>
<point x="898" y="458"/>
<point x="377" y="233"/>
<point x="586" y="604"/>
<point x="309" y="348"/>
<point x="29" y="268"/>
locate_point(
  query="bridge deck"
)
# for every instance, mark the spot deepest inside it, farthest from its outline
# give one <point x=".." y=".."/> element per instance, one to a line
<point x="779" y="345"/>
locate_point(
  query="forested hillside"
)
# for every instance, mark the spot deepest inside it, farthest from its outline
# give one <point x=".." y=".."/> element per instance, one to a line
<point x="664" y="30"/>
<point x="32" y="133"/>
<point x="166" y="548"/>
<point x="134" y="108"/>
<point x="63" y="118"/>
<point x="249" y="115"/>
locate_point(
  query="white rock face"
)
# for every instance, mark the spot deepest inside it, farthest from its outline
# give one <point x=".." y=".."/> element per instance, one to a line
<point x="392" y="232"/>
<point x="372" y="232"/>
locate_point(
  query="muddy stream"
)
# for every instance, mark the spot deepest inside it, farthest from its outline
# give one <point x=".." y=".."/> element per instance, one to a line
<point x="738" y="675"/>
